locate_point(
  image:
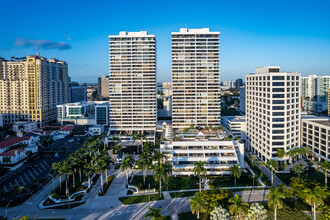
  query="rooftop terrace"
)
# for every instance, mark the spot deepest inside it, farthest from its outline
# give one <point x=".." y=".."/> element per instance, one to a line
<point x="194" y="134"/>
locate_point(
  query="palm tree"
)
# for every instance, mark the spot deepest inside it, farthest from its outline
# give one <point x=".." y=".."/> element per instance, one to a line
<point x="116" y="149"/>
<point x="100" y="167"/>
<point x="104" y="136"/>
<point x="114" y="139"/>
<point x="197" y="204"/>
<point x="199" y="170"/>
<point x="291" y="154"/>
<point x="273" y="164"/>
<point x="89" y="170"/>
<point x="261" y="163"/>
<point x="154" y="214"/>
<point x="80" y="161"/>
<point x="167" y="169"/>
<point x="159" y="156"/>
<point x="253" y="158"/>
<point x="275" y="199"/>
<point x="159" y="175"/>
<point x="126" y="165"/>
<point x="107" y="161"/>
<point x="315" y="196"/>
<point x="238" y="206"/>
<point x="235" y="171"/>
<point x="58" y="168"/>
<point x="298" y="169"/>
<point x="281" y="154"/>
<point x="143" y="164"/>
<point x="308" y="151"/>
<point x="325" y="166"/>
<point x="139" y="137"/>
<point x="67" y="170"/>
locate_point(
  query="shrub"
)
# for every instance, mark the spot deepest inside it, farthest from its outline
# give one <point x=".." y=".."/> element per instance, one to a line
<point x="219" y="213"/>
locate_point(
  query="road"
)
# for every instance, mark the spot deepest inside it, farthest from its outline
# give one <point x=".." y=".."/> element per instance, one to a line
<point x="108" y="206"/>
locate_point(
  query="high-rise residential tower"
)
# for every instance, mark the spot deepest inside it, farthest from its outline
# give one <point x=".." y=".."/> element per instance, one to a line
<point x="103" y="86"/>
<point x="272" y="111"/>
<point x="132" y="83"/>
<point x="195" y="78"/>
<point x="314" y="91"/>
<point x="31" y="89"/>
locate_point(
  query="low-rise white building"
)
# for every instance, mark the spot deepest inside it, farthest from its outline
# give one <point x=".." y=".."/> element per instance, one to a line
<point x="187" y="147"/>
<point x="95" y="130"/>
<point x="236" y="125"/>
<point x="25" y="126"/>
<point x="11" y="153"/>
<point x="84" y="113"/>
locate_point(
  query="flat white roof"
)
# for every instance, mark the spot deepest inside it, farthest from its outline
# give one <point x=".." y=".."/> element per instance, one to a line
<point x="132" y="34"/>
<point x="195" y="31"/>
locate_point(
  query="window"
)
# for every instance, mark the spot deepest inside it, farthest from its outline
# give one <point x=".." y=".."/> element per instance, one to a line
<point x="278" y="77"/>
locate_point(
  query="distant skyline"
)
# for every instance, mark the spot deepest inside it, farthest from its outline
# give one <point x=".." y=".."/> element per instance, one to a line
<point x="292" y="34"/>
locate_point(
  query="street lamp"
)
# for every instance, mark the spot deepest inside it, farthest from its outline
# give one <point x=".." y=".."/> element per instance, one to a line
<point x="8" y="205"/>
<point x="53" y="178"/>
<point x="149" y="192"/>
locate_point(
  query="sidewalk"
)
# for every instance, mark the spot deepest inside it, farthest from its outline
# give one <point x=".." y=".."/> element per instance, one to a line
<point x="259" y="180"/>
<point x="266" y="171"/>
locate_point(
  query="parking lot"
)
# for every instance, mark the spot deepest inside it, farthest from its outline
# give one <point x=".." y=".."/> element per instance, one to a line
<point x="39" y="167"/>
<point x="23" y="176"/>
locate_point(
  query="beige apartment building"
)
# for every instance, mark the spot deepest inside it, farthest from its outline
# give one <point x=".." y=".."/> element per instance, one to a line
<point x="103" y="86"/>
<point x="132" y="83"/>
<point x="195" y="78"/>
<point x="30" y="89"/>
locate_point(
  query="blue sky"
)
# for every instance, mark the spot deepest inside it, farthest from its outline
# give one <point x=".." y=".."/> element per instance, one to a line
<point x="292" y="34"/>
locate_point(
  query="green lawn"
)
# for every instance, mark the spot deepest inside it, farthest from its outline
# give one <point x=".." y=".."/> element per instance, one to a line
<point x="229" y="181"/>
<point x="311" y="175"/>
<point x="182" y="194"/>
<point x="174" y="183"/>
<point x="140" y="199"/>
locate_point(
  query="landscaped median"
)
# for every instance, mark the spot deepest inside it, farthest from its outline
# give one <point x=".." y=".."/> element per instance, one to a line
<point x="60" y="191"/>
<point x="140" y="199"/>
<point x="172" y="183"/>
<point x="106" y="185"/>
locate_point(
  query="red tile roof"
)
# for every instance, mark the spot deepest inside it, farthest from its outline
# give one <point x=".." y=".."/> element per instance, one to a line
<point x="66" y="128"/>
<point x="47" y="132"/>
<point x="12" y="141"/>
<point x="11" y="153"/>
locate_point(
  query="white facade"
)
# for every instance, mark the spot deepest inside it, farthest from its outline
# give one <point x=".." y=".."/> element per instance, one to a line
<point x="132" y="83"/>
<point x="230" y="84"/>
<point x="188" y="147"/>
<point x="315" y="133"/>
<point x="195" y="78"/>
<point x="95" y="130"/>
<point x="272" y="111"/>
<point x="236" y="125"/>
<point x="84" y="113"/>
<point x="314" y="93"/>
<point x="27" y="126"/>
